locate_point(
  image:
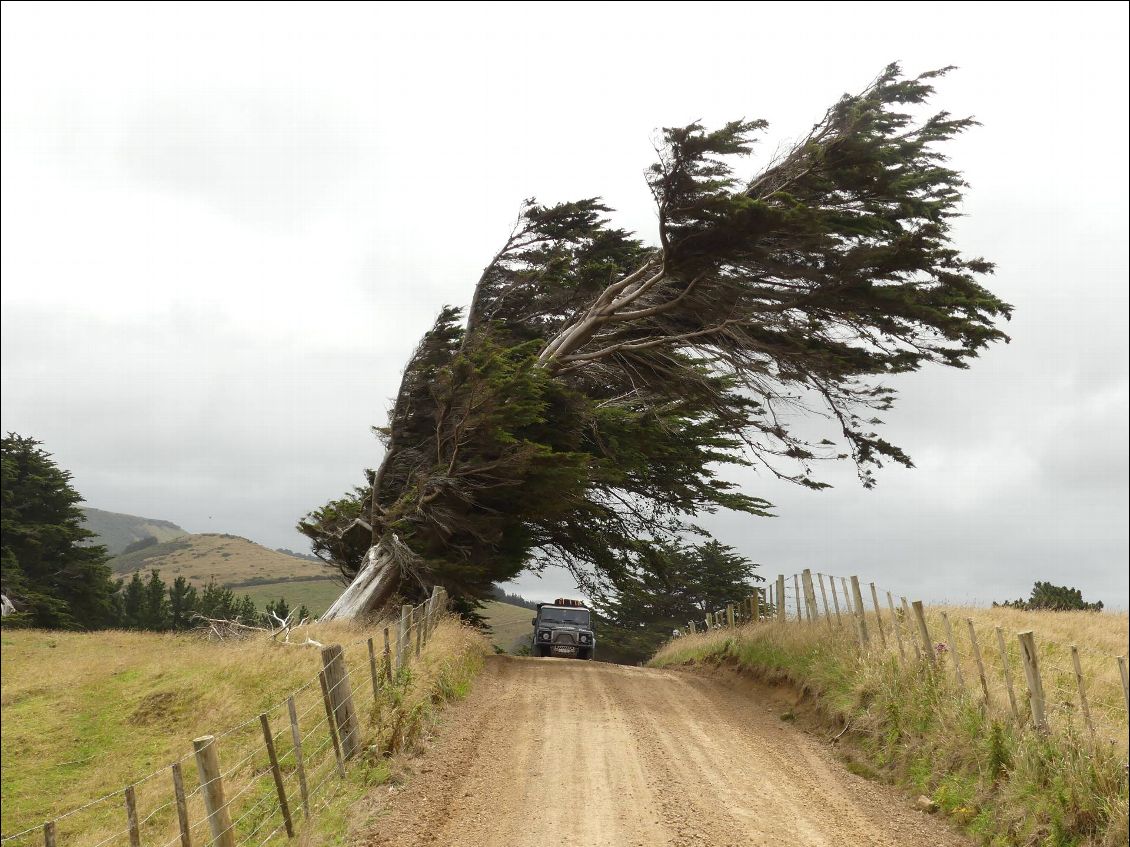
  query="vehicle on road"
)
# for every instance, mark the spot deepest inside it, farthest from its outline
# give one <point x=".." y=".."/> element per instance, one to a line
<point x="564" y="628"/>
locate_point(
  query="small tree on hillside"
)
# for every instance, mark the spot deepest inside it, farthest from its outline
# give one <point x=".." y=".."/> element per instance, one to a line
<point x="182" y="604"/>
<point x="155" y="612"/>
<point x="1055" y="598"/>
<point x="53" y="577"/>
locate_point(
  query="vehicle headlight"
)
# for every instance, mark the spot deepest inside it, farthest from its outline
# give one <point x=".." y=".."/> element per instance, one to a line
<point x="585" y="638"/>
<point x="544" y="635"/>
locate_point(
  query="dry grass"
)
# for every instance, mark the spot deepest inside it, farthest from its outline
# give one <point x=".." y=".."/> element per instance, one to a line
<point x="86" y="714"/>
<point x="226" y="558"/>
<point x="1004" y="781"/>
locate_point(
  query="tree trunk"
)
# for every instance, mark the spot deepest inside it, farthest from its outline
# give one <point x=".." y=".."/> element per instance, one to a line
<point x="374" y="585"/>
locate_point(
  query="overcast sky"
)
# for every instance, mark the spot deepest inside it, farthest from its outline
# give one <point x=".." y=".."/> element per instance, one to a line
<point x="225" y="227"/>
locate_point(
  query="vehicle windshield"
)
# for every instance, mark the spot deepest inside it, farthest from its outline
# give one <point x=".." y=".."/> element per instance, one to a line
<point x="573" y="617"/>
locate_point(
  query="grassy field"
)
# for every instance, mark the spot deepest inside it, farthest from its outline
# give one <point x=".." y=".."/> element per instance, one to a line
<point x="86" y="714"/>
<point x="510" y="625"/>
<point x="316" y="594"/>
<point x="228" y="559"/>
<point x="1007" y="783"/>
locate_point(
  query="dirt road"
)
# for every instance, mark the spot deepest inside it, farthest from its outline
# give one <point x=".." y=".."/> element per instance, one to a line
<point x="557" y="753"/>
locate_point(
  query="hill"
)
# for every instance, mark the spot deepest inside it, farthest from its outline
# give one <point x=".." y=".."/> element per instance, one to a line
<point x="237" y="563"/>
<point x="509" y="625"/>
<point x="117" y="531"/>
<point x="229" y="559"/>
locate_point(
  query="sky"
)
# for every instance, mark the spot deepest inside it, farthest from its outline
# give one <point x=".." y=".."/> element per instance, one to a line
<point x="225" y="227"/>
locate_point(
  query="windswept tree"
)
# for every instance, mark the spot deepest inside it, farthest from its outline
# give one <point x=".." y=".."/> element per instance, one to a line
<point x="597" y="384"/>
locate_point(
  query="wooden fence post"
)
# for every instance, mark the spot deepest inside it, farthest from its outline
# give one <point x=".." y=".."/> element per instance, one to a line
<point x="878" y="615"/>
<point x="387" y="659"/>
<point x="299" y="765"/>
<point x="212" y="787"/>
<point x="402" y="637"/>
<point x="341" y="697"/>
<point x="131" y="817"/>
<point x="835" y="599"/>
<point x="923" y="630"/>
<point x="706" y="621"/>
<point x="977" y="658"/>
<point x="797" y="595"/>
<point x="1032" y="676"/>
<point x="847" y="595"/>
<point x="1125" y="682"/>
<point x="182" y="806"/>
<point x="824" y="599"/>
<point x="908" y="617"/>
<point x="1007" y="675"/>
<point x="781" y="598"/>
<point x="433" y="608"/>
<point x="755" y="605"/>
<point x="418" y="625"/>
<point x="860" y="612"/>
<point x="49" y="834"/>
<point x="331" y="723"/>
<point x="373" y="670"/>
<point x="276" y="774"/>
<point x="1082" y="688"/>
<point x="809" y="595"/>
<point x="952" y="643"/>
<point x="897" y="629"/>
<point x="730" y="615"/>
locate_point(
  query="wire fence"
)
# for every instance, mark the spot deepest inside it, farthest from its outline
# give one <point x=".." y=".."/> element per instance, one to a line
<point x="257" y="782"/>
<point x="1038" y="683"/>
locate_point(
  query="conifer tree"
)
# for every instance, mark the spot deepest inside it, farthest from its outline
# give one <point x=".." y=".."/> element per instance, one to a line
<point x="48" y="569"/>
<point x="598" y="385"/>
<point x="182" y="604"/>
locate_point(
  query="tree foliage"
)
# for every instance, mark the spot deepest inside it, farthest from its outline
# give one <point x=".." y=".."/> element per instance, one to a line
<point x="1055" y="598"/>
<point x="149" y="603"/>
<point x="52" y="576"/>
<point x="667" y="586"/>
<point x="597" y="385"/>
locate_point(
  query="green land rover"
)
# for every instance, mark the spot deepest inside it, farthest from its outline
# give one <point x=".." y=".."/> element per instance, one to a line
<point x="564" y="628"/>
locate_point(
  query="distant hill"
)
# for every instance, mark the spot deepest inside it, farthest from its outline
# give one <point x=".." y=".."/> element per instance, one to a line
<point x="513" y="599"/>
<point x="117" y="531"/>
<point x="510" y="627"/>
<point x="229" y="559"/>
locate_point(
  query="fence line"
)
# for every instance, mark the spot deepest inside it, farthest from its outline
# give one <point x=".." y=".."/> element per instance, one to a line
<point x="1039" y="684"/>
<point x="271" y="782"/>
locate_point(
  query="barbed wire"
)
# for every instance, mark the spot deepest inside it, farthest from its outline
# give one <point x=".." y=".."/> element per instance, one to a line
<point x="419" y="620"/>
<point x="972" y="658"/>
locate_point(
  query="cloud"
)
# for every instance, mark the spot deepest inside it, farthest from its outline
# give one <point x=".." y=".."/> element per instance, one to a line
<point x="223" y="233"/>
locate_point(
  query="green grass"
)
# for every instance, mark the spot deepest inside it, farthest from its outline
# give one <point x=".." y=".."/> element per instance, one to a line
<point x="85" y="714"/>
<point x="510" y="625"/>
<point x="910" y="725"/>
<point x="316" y="594"/>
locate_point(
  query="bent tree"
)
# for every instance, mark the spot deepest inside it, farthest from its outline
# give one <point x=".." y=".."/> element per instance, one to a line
<point x="585" y="403"/>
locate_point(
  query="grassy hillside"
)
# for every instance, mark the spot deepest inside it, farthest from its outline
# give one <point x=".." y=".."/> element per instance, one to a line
<point x="228" y="559"/>
<point x="510" y="625"/>
<point x="116" y="531"/>
<point x="86" y="714"/>
<point x="315" y="594"/>
<point x="898" y="720"/>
